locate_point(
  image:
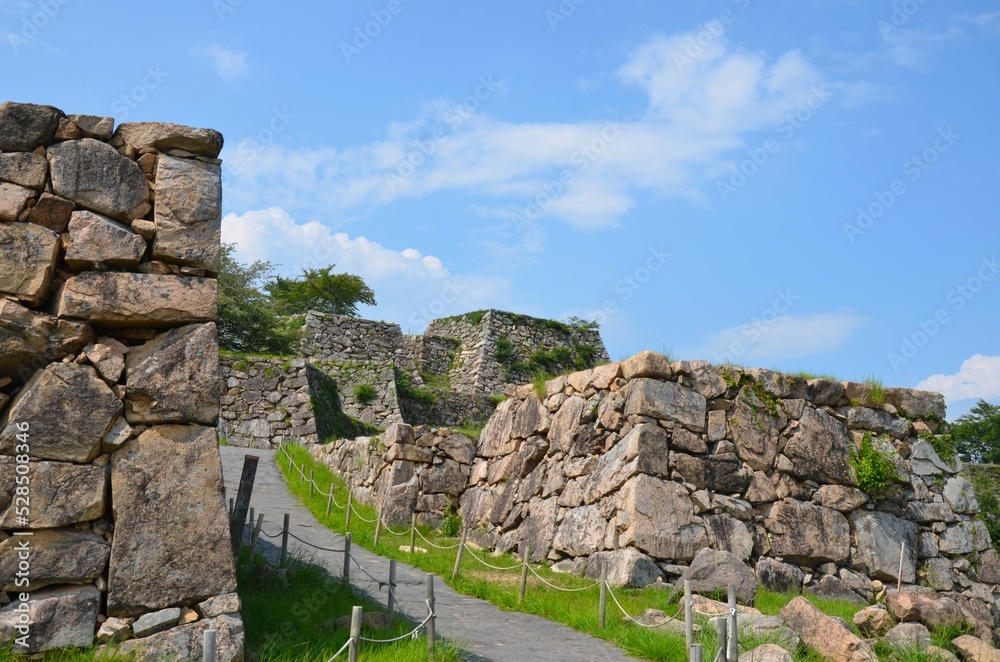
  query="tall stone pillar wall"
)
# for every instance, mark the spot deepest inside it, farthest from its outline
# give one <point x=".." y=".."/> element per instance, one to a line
<point x="112" y="518"/>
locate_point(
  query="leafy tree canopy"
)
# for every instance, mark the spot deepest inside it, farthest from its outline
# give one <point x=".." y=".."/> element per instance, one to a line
<point x="322" y="290"/>
<point x="977" y="434"/>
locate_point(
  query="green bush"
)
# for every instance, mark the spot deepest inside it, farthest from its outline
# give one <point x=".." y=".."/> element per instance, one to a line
<point x="874" y="467"/>
<point x="364" y="393"/>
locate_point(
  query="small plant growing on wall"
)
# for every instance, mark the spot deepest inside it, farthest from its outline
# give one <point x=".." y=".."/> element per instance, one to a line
<point x="364" y="393"/>
<point x="874" y="467"/>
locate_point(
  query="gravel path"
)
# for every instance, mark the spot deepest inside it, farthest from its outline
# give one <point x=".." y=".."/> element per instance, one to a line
<point x="482" y="629"/>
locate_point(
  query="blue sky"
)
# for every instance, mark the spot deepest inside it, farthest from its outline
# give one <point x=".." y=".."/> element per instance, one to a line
<point x="790" y="184"/>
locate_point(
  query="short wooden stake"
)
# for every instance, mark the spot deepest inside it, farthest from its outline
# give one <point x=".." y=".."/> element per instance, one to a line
<point x="378" y="527"/>
<point x="208" y="646"/>
<point x="734" y="648"/>
<point x="352" y="650"/>
<point x="255" y="531"/>
<point x="413" y="532"/>
<point x="695" y="652"/>
<point x="688" y="616"/>
<point x="722" y="641"/>
<point x="284" y="539"/>
<point x="461" y="552"/>
<point x="391" y="607"/>
<point x="430" y="621"/>
<point x="602" y="607"/>
<point x="302" y="473"/>
<point x="347" y="521"/>
<point x="524" y="573"/>
<point x="232" y="507"/>
<point x="329" y="500"/>
<point x="347" y="559"/>
<point x="238" y="521"/>
<point x="311" y="483"/>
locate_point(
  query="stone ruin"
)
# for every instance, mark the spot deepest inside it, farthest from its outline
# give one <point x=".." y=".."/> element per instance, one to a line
<point x="109" y="366"/>
<point x="720" y="475"/>
<point x="474" y="356"/>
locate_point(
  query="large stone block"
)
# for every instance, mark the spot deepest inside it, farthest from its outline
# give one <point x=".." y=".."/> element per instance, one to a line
<point x="539" y="529"/>
<point x="643" y="450"/>
<point x="171" y="544"/>
<point x="30" y="340"/>
<point x="51" y="212"/>
<point x="24" y="169"/>
<point x="878" y="538"/>
<point x="666" y="401"/>
<point x="95" y="176"/>
<point x="820" y="449"/>
<point x="497" y="437"/>
<point x="916" y="404"/>
<point x="67" y="409"/>
<point x="713" y="570"/>
<point x="61" y="494"/>
<point x="60" y="618"/>
<point x="188" y="212"/>
<point x="13" y="200"/>
<point x="806" y="534"/>
<point x="58" y="556"/>
<point x="28" y="255"/>
<point x="27" y="126"/>
<point x="727" y="476"/>
<point x="175" y="377"/>
<point x="581" y="532"/>
<point x="726" y="533"/>
<point x="98" y="241"/>
<point x="755" y="429"/>
<point x="626" y="567"/>
<point x="147" y="300"/>
<point x="657" y="517"/>
<point x="163" y="136"/>
<point x="828" y="637"/>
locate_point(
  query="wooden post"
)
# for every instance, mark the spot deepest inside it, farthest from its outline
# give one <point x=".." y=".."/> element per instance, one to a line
<point x="242" y="502"/>
<point x="458" y="557"/>
<point x="734" y="649"/>
<point x="899" y="575"/>
<point x="603" y="605"/>
<point x="250" y="519"/>
<point x="391" y="607"/>
<point x="208" y="646"/>
<point x="347" y="522"/>
<point x="688" y="616"/>
<point x="413" y="532"/>
<point x="329" y="500"/>
<point x="378" y="527"/>
<point x="524" y="573"/>
<point x="722" y="641"/>
<point x="302" y="472"/>
<point x="232" y="507"/>
<point x="311" y="483"/>
<point x="352" y="650"/>
<point x="430" y="622"/>
<point x="255" y="531"/>
<point x="695" y="652"/>
<point x="284" y="539"/>
<point x="346" y="577"/>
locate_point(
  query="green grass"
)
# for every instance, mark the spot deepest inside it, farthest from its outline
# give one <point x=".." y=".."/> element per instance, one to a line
<point x="875" y="397"/>
<point x="436" y="382"/>
<point x="808" y="374"/>
<point x="470" y="429"/>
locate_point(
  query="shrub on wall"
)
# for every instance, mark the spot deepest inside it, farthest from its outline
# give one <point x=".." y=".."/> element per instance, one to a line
<point x="364" y="393"/>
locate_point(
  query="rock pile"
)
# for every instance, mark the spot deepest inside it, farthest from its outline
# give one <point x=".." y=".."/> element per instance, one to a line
<point x="109" y="366"/>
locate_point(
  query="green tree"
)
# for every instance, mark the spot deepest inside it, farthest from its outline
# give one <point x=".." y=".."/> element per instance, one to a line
<point x="977" y="434"/>
<point x="322" y="290"/>
<point x="249" y="321"/>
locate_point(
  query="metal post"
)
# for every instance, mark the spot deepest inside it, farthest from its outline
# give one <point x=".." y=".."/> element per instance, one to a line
<point x="208" y="646"/>
<point x="688" y="616"/>
<point x="329" y="500"/>
<point x="695" y="652"/>
<point x="347" y="522"/>
<point x="458" y="557"/>
<point x="722" y="641"/>
<point x="603" y="605"/>
<point x="284" y="539"/>
<point x="347" y="560"/>
<point x="378" y="527"/>
<point x="352" y="651"/>
<point x="524" y="573"/>
<point x="430" y="621"/>
<point x="734" y="649"/>
<point x="413" y="532"/>
<point x="391" y="607"/>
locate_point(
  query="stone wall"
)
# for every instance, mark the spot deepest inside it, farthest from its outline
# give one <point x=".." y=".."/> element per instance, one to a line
<point x="267" y="402"/>
<point x="111" y="505"/>
<point x="645" y="464"/>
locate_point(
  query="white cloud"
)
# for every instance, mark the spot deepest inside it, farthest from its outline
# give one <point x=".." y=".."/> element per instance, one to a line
<point x="911" y="48"/>
<point x="587" y="173"/>
<point x="772" y="338"/>
<point x="411" y="288"/>
<point x="978" y="377"/>
<point x="231" y="66"/>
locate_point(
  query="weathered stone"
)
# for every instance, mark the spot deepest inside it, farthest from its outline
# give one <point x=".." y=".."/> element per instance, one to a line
<point x="659" y="519"/>
<point x="934" y="612"/>
<point x="529" y="455"/>
<point x="603" y="376"/>
<point x="565" y="424"/>
<point x="916" y="404"/>
<point x="24" y="169"/>
<point x="156" y="621"/>
<point x="989" y="567"/>
<point x="94" y="126"/>
<point x="61" y="494"/>
<point x="761" y="489"/>
<point x="171" y="543"/>
<point x="718" y="474"/>
<point x="910" y="636"/>
<point x="163" y="136"/>
<point x="13" y="200"/>
<point x="647" y="364"/>
<point x="97" y="241"/>
<point x="937" y="574"/>
<point x="184" y="643"/>
<point x="779" y="577"/>
<point x="957" y="539"/>
<point x="755" y="429"/>
<point x="27" y="126"/>
<point x="578" y="380"/>
<point x="95" y="176"/>
<point x="832" y="640"/>
<point x="820" y="449"/>
<point x="876" y="420"/>
<point x="858" y="583"/>
<point x="833" y="587"/>
<point x="51" y="212"/>
<point x="497" y="437"/>
<point x="188" y="212"/>
<point x="919" y="511"/>
<point x="960" y="496"/>
<point x="924" y="460"/>
<point x="873" y="621"/>
<point x="713" y="570"/>
<point x="702" y="377"/>
<point x="643" y="450"/>
<point x="767" y="653"/>
<point x="807" y="534"/>
<point x="444" y="478"/>
<point x="577" y="567"/>
<point x="839" y="497"/>
<point x="666" y="401"/>
<point x="114" y="629"/>
<point x="539" y="528"/>
<point x="64" y="617"/>
<point x="459" y="447"/>
<point x="175" y="378"/>
<point x="219" y="605"/>
<point x="68" y="409"/>
<point x="717" y="425"/>
<point x="531" y="418"/>
<point x="878" y="538"/>
<point x="581" y="532"/>
<point x="688" y="442"/>
<point x="146" y="300"/>
<point x="973" y="649"/>
<point x="726" y="533"/>
<point x="108" y="358"/>
<point x="626" y="567"/>
<point x="28" y="256"/>
<point x="30" y="340"/>
<point x="58" y="556"/>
